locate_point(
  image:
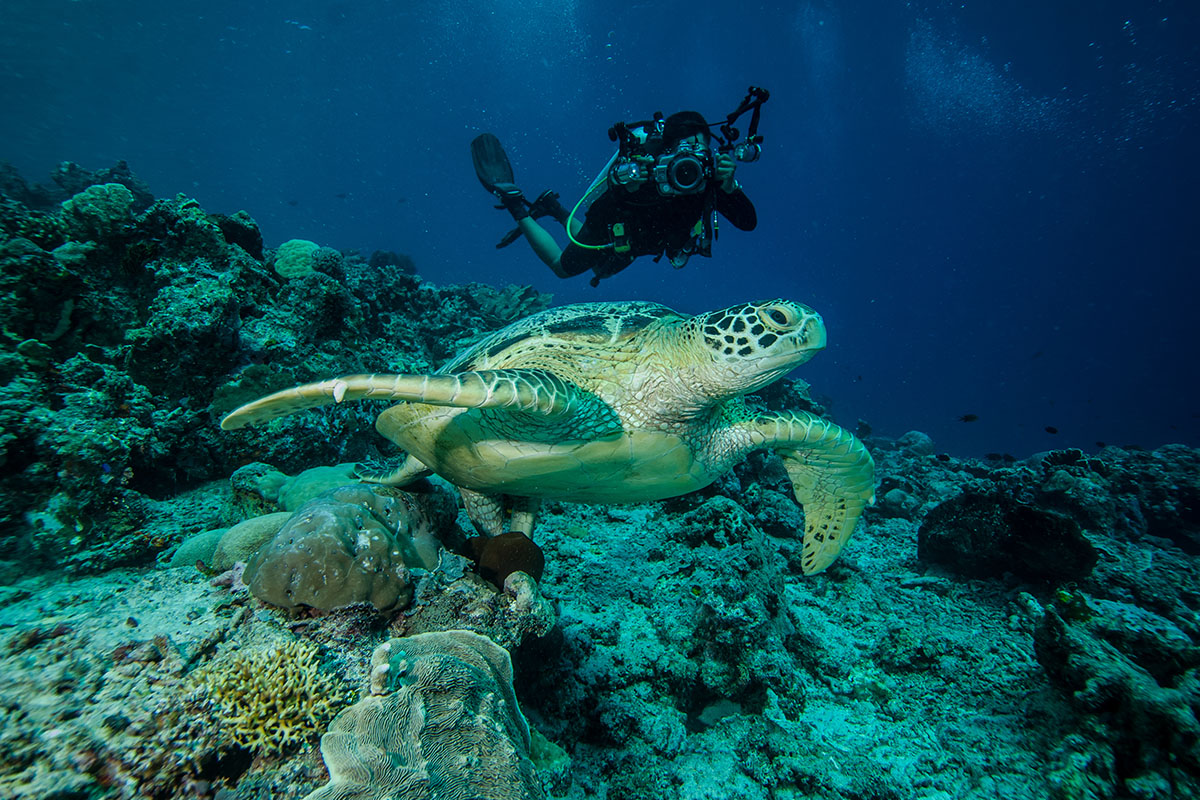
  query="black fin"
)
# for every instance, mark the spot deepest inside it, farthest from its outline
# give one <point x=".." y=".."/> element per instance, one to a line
<point x="491" y="162"/>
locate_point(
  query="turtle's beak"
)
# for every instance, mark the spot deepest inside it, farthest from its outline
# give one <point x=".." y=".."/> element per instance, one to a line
<point x="812" y="333"/>
<point x="806" y="339"/>
<point x="809" y="338"/>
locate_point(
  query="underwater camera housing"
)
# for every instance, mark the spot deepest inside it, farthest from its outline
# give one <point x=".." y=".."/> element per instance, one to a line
<point x="680" y="170"/>
<point x="687" y="168"/>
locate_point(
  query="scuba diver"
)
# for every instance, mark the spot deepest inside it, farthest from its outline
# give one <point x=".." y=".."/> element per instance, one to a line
<point x="658" y="195"/>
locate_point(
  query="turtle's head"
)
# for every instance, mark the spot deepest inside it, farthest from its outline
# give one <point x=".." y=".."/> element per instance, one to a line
<point x="754" y="344"/>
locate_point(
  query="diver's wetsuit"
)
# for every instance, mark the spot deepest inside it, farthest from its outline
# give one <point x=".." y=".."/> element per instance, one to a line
<point x="654" y="225"/>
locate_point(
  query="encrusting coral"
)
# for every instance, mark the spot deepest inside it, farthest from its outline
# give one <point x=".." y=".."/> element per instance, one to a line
<point x="273" y="698"/>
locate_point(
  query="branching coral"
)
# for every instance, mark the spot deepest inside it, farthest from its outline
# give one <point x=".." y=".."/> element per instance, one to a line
<point x="274" y="698"/>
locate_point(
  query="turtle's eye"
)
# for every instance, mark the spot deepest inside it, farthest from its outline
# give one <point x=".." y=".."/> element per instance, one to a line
<point x="779" y="317"/>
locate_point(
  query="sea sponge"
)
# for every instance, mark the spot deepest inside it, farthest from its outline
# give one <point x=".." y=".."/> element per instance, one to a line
<point x="275" y="697"/>
<point x="352" y="544"/>
<point x="442" y="721"/>
<point x="99" y="211"/>
<point x="294" y="258"/>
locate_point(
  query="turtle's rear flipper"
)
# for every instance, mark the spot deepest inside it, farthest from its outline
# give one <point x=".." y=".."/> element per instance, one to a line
<point x="404" y="474"/>
<point x="491" y="162"/>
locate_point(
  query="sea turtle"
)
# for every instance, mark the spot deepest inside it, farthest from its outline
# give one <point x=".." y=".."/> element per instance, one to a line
<point x="611" y="402"/>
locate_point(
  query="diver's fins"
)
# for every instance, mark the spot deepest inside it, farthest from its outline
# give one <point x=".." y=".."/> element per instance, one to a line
<point x="546" y="205"/>
<point x="509" y="238"/>
<point x="491" y="162"/>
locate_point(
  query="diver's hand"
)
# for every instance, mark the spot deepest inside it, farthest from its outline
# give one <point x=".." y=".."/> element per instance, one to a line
<point x="723" y="171"/>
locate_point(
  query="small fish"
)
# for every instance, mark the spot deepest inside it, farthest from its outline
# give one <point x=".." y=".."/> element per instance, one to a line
<point x="341" y="195"/>
<point x="1051" y="429"/>
<point x="293" y="202"/>
<point x="968" y="418"/>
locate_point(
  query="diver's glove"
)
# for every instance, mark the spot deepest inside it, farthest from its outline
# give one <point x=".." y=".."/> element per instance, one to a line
<point x="511" y="198"/>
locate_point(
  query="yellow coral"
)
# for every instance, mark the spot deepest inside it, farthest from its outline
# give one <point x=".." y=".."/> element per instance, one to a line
<point x="273" y="698"/>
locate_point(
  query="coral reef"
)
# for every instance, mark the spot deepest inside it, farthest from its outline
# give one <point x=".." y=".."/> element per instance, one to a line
<point x="1136" y="678"/>
<point x="129" y="325"/>
<point x="96" y="700"/>
<point x="243" y="540"/>
<point x="670" y="650"/>
<point x="986" y="535"/>
<point x="450" y="598"/>
<point x="294" y="258"/>
<point x="441" y="721"/>
<point x="99" y="211"/>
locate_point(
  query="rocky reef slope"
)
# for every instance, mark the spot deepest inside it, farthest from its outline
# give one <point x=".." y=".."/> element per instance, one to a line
<point x="128" y="325"/>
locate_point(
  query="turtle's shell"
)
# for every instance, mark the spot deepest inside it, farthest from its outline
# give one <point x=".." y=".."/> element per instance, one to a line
<point x="590" y="345"/>
<point x="585" y="327"/>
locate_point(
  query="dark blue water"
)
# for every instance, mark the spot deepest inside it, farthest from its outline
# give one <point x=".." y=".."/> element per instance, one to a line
<point x="993" y="204"/>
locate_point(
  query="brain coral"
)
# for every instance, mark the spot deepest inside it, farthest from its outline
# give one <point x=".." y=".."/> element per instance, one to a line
<point x="442" y="722"/>
<point x="352" y="544"/>
<point x="273" y="698"/>
<point x="295" y="257"/>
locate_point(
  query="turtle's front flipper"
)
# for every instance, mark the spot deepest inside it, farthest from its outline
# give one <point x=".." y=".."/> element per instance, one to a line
<point x="532" y="391"/>
<point x="832" y="475"/>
